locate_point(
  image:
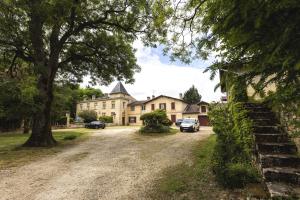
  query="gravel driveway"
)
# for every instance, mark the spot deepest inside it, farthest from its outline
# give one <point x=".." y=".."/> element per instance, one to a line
<point x="114" y="163"/>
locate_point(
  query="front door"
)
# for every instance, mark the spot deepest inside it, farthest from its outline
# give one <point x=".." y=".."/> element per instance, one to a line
<point x="123" y="121"/>
<point x="173" y="118"/>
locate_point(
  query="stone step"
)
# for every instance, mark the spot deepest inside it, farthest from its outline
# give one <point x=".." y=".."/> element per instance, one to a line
<point x="261" y="115"/>
<point x="266" y="129"/>
<point x="282" y="174"/>
<point x="257" y="109"/>
<point x="279" y="160"/>
<point x="265" y="122"/>
<point x="254" y="105"/>
<point x="273" y="148"/>
<point x="281" y="190"/>
<point x="271" y="137"/>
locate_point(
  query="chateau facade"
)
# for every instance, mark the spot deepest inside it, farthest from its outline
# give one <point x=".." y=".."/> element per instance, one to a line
<point x="126" y="110"/>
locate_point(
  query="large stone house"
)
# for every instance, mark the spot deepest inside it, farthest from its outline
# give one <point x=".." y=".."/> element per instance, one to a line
<point x="126" y="110"/>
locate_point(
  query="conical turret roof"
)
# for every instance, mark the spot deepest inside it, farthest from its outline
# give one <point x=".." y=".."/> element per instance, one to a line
<point x="119" y="88"/>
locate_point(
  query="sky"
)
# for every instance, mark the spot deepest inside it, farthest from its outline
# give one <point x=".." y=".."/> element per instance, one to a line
<point x="160" y="76"/>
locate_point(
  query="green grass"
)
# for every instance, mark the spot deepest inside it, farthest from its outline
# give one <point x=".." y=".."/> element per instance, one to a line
<point x="196" y="180"/>
<point x="12" y="153"/>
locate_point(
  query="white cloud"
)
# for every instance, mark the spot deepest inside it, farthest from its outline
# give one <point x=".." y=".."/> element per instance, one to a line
<point x="169" y="79"/>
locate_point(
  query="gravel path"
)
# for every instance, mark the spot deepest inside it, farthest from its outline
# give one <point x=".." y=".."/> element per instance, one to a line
<point x="111" y="164"/>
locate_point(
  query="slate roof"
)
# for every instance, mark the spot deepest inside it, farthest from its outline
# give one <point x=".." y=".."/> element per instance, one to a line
<point x="119" y="88"/>
<point x="203" y="102"/>
<point x="136" y="103"/>
<point x="191" y="108"/>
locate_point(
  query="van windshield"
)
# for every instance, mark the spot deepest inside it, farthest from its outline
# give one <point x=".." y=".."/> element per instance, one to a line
<point x="188" y="121"/>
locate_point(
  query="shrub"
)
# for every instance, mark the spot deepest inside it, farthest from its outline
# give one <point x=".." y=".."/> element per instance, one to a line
<point x="155" y="122"/>
<point x="106" y="119"/>
<point x="70" y="137"/>
<point x="237" y="175"/>
<point x="88" y="116"/>
<point x="62" y="120"/>
<point x="157" y="129"/>
<point x="233" y="152"/>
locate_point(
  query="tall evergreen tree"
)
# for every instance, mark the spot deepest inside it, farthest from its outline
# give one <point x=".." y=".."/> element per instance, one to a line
<point x="192" y="96"/>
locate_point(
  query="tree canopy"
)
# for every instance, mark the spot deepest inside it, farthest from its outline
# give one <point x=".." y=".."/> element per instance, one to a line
<point x="192" y="96"/>
<point x="66" y="40"/>
<point x="249" y="38"/>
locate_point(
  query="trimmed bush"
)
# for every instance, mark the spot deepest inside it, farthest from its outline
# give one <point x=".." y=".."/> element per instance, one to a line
<point x="88" y="116"/>
<point x="156" y="122"/>
<point x="106" y="119"/>
<point x="157" y="129"/>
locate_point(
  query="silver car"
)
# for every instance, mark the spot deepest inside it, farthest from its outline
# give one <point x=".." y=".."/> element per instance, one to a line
<point x="190" y="124"/>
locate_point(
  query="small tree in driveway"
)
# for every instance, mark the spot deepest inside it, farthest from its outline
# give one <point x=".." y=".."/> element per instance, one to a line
<point x="156" y="122"/>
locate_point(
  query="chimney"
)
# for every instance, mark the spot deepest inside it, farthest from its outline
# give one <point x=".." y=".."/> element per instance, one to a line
<point x="180" y="95"/>
<point x="153" y="96"/>
<point x="93" y="96"/>
<point x="148" y="98"/>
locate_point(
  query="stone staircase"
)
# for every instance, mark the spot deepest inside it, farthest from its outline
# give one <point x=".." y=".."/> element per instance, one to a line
<point x="275" y="153"/>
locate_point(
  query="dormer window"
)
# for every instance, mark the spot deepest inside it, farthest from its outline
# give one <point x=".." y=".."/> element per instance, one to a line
<point x="203" y="109"/>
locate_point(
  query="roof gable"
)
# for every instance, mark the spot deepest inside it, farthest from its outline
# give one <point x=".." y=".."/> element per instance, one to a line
<point x="161" y="96"/>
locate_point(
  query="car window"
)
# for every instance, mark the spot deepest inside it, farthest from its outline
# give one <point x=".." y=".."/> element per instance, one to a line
<point x="188" y="121"/>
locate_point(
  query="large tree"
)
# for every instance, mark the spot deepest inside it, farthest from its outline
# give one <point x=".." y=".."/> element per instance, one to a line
<point x="192" y="96"/>
<point x="67" y="39"/>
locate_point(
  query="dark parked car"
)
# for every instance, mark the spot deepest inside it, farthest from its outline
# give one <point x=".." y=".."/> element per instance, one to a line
<point x="178" y="122"/>
<point x="95" y="124"/>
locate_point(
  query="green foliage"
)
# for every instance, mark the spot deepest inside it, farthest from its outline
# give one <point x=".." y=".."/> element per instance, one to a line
<point x="255" y="40"/>
<point x="68" y="40"/>
<point x="155" y="129"/>
<point x="192" y="96"/>
<point x="16" y="100"/>
<point x="88" y="116"/>
<point x="106" y="119"/>
<point x="286" y="102"/>
<point x="155" y="122"/>
<point x="66" y="97"/>
<point x="70" y="137"/>
<point x="234" y="147"/>
<point x="237" y="175"/>
<point x="89" y="92"/>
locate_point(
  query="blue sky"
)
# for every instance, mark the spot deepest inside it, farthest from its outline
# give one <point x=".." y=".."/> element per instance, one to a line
<point x="161" y="76"/>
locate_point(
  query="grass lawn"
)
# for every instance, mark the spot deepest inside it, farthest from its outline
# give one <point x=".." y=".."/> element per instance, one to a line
<point x="12" y="153"/>
<point x="197" y="181"/>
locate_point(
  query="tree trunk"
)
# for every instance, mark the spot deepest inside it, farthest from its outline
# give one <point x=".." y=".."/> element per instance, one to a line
<point x="41" y="135"/>
<point x="26" y="126"/>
